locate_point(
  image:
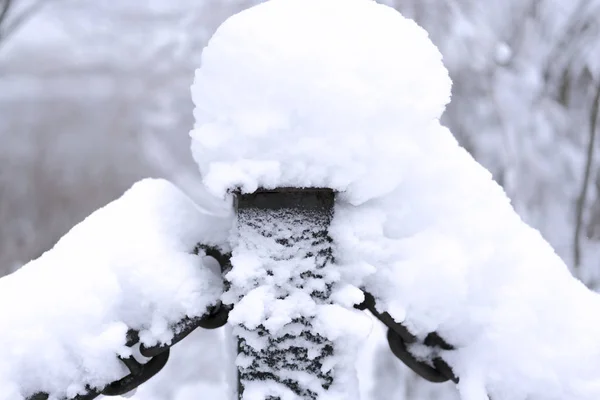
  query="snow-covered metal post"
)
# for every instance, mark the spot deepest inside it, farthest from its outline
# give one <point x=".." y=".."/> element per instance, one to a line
<point x="282" y="112"/>
<point x="348" y="95"/>
<point x="288" y="229"/>
<point x="340" y="124"/>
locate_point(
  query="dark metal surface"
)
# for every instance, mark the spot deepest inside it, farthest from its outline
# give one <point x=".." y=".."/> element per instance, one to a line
<point x="399" y="338"/>
<point x="291" y="198"/>
<point x="137" y="376"/>
<point x="264" y="213"/>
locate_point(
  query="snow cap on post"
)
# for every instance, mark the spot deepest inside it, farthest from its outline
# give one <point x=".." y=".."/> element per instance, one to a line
<point x="314" y="93"/>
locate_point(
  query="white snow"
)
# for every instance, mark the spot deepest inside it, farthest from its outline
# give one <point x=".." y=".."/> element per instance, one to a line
<point x="347" y="94"/>
<point x="127" y="266"/>
<point x="287" y="90"/>
<point x="446" y="252"/>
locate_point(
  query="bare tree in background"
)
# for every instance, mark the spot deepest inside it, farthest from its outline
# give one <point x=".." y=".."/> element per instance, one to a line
<point x="4" y="10"/>
<point x="14" y="13"/>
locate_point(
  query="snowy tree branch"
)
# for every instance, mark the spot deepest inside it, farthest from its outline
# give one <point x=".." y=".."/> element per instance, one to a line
<point x="580" y="206"/>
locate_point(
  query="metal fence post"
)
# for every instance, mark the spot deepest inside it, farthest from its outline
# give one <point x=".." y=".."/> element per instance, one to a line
<point x="292" y="224"/>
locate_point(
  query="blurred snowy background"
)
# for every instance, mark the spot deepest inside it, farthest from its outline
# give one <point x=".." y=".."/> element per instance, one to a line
<point x="94" y="94"/>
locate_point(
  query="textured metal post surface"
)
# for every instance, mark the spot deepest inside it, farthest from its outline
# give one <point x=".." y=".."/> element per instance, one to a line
<point x="294" y="224"/>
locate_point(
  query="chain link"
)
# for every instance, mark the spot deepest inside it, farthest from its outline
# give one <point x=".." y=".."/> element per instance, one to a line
<point x="399" y="338"/>
<point x="159" y="355"/>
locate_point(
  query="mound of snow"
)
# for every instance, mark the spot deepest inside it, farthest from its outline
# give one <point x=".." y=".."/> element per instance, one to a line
<point x="314" y="93"/>
<point x="347" y="94"/>
<point x="129" y="265"/>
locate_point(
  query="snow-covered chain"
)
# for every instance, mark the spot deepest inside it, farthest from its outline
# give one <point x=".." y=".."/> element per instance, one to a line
<point x="64" y="317"/>
<point x="344" y="94"/>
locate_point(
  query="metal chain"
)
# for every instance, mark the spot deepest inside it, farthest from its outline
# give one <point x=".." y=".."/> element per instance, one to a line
<point x="399" y="337"/>
<point x="159" y="355"/>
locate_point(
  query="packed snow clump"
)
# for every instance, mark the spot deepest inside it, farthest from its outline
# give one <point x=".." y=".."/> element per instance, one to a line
<point x="347" y="94"/>
<point x="288" y="90"/>
<point x="129" y="265"/>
